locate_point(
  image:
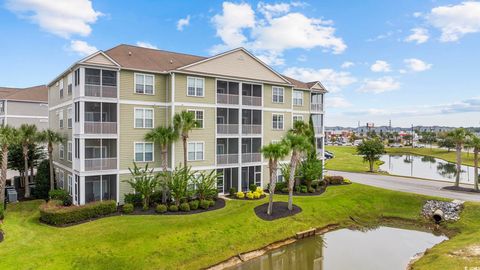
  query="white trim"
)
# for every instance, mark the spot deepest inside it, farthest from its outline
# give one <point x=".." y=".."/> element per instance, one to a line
<point x="297" y="115"/>
<point x="283" y="121"/>
<point x="61" y="105"/>
<point x="144" y="103"/>
<point x="203" y="150"/>
<point x="144" y="118"/>
<point x="135" y="151"/>
<point x="25" y="116"/>
<point x="144" y="83"/>
<point x="203" y="86"/>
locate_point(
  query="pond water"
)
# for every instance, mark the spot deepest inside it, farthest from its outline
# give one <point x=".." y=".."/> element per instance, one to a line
<point x="425" y="167"/>
<point x="381" y="248"/>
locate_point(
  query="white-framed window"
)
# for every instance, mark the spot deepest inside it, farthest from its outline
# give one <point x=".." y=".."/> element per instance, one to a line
<point x="297" y="118"/>
<point x="69" y="150"/>
<point x="143" y="151"/>
<point x="278" y="94"/>
<point x="69" y="83"/>
<point x="144" y="84"/>
<point x="143" y="118"/>
<point x="61" y="151"/>
<point x="60" y="118"/>
<point x="195" y="87"/>
<point x="195" y="151"/>
<point x="69" y="117"/>
<point x="198" y="116"/>
<point x="297" y="98"/>
<point x="70" y="184"/>
<point x="61" y="178"/>
<point x="277" y="121"/>
<point x="60" y="88"/>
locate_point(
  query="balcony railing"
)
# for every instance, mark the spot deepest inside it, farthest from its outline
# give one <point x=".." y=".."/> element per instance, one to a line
<point x="251" y="129"/>
<point x="227" y="128"/>
<point x="227" y="158"/>
<point x="96" y="164"/>
<point x="251" y="157"/>
<point x="100" y="127"/>
<point x="227" y="99"/>
<point x="251" y="101"/>
<point x="318" y="130"/>
<point x="316" y="107"/>
<point x="92" y="90"/>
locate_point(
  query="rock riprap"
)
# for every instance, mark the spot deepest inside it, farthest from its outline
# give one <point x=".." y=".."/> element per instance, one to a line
<point x="451" y="210"/>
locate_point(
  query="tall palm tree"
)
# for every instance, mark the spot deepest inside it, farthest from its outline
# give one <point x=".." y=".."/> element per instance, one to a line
<point x="459" y="136"/>
<point x="274" y="152"/>
<point x="28" y="136"/>
<point x="51" y="137"/>
<point x="7" y="136"/>
<point x="183" y="123"/>
<point x="474" y="142"/>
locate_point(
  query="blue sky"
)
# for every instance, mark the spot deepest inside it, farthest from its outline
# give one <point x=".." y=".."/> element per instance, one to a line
<point x="412" y="62"/>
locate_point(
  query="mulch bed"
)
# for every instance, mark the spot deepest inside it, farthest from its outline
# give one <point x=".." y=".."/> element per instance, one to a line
<point x="316" y="193"/>
<point x="279" y="210"/>
<point x="462" y="189"/>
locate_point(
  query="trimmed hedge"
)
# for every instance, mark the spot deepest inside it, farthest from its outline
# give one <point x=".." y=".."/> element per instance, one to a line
<point x="334" y="180"/>
<point x="55" y="214"/>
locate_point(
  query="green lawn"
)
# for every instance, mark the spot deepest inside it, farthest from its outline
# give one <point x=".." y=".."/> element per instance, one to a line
<point x="467" y="158"/>
<point x="195" y="241"/>
<point x="346" y="159"/>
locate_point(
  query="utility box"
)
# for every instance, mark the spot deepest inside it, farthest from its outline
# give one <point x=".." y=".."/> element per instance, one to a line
<point x="11" y="195"/>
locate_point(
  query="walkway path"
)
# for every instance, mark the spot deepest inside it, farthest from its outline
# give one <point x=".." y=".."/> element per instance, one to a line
<point x="418" y="186"/>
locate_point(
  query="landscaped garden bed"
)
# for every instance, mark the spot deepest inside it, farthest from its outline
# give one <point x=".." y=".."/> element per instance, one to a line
<point x="255" y="193"/>
<point x="280" y="210"/>
<point x="185" y="208"/>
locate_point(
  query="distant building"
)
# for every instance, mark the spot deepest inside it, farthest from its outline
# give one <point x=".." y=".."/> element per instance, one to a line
<point x="24" y="106"/>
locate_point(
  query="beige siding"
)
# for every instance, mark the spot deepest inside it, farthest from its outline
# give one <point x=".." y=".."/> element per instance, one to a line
<point x="181" y="90"/>
<point x="267" y="99"/>
<point x="269" y="134"/>
<point x="17" y="122"/>
<point x="127" y="87"/>
<point x="100" y="59"/>
<point x="54" y="93"/>
<point x="27" y="108"/>
<point x="306" y="101"/>
<point x="66" y="132"/>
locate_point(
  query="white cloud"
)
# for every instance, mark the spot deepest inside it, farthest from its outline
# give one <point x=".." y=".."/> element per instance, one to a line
<point x="416" y="65"/>
<point x="419" y="35"/>
<point x="347" y="64"/>
<point x="269" y="10"/>
<point x="380" y="66"/>
<point x="81" y="47"/>
<point x="380" y="85"/>
<point x="146" y="45"/>
<point x="381" y="36"/>
<point x="182" y="23"/>
<point x="455" y="21"/>
<point x="417" y="14"/>
<point x="336" y="102"/>
<point x="61" y="18"/>
<point x="334" y="81"/>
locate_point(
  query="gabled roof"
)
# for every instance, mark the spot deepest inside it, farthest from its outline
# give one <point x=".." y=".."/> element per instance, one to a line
<point x="37" y="93"/>
<point x="315" y="86"/>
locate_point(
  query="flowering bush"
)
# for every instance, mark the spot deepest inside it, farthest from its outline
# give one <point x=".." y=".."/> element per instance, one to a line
<point x="256" y="195"/>
<point x="260" y="191"/>
<point x="250" y="195"/>
<point x="240" y="195"/>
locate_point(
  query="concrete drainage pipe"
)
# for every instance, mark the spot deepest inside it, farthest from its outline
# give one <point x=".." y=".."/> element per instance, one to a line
<point x="438" y="216"/>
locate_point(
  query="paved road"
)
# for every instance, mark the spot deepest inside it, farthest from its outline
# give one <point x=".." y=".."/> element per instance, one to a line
<point x="418" y="186"/>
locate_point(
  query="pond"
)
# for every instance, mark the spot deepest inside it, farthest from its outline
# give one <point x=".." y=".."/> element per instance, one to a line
<point x="381" y="248"/>
<point x="425" y="167"/>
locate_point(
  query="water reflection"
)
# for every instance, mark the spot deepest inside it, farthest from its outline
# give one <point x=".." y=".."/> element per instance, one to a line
<point x="425" y="167"/>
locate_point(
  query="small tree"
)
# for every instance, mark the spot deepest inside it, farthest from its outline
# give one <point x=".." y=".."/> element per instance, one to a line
<point x="144" y="182"/>
<point x="205" y="185"/>
<point x="459" y="136"/>
<point x="273" y="152"/>
<point x="51" y="137"/>
<point x="474" y="142"/>
<point x="446" y="143"/>
<point x="178" y="184"/>
<point x="42" y="180"/>
<point x="371" y="150"/>
<point x="311" y="169"/>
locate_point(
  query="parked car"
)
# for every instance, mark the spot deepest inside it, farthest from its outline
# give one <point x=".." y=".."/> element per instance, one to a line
<point x="397" y="145"/>
<point x="329" y="155"/>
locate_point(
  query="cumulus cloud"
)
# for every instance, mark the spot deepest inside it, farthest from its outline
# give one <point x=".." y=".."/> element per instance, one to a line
<point x="182" y="23"/>
<point x="380" y="66"/>
<point x="455" y="21"/>
<point x="81" y="47"/>
<point x="416" y="65"/>
<point x="380" y="85"/>
<point x="146" y="45"/>
<point x="333" y="80"/>
<point x="347" y="64"/>
<point x="418" y="35"/>
<point x="271" y="30"/>
<point x="336" y="102"/>
<point x="61" y="18"/>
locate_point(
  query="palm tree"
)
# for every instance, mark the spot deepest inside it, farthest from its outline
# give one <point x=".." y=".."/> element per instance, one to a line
<point x="183" y="123"/>
<point x="459" y="136"/>
<point x="51" y="137"/>
<point x="7" y="136"/>
<point x="474" y="142"/>
<point x="28" y="136"/>
<point x="274" y="152"/>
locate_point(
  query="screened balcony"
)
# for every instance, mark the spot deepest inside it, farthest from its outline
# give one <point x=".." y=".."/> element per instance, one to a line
<point x="100" y="83"/>
<point x="227" y="121"/>
<point x="228" y="92"/>
<point x="251" y="94"/>
<point x="227" y="179"/>
<point x="251" y="150"/>
<point x="251" y="175"/>
<point x="100" y="118"/>
<point x="227" y="151"/>
<point x="251" y="122"/>
<point x="100" y="188"/>
<point x="100" y="154"/>
<point x="316" y="102"/>
<point x="317" y="124"/>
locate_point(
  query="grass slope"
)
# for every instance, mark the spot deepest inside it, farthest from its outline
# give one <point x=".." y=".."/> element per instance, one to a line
<point x="346" y="159"/>
<point x="196" y="241"/>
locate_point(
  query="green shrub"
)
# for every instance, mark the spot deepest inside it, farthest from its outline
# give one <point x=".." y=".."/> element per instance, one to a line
<point x="61" y="195"/>
<point x="280" y="186"/>
<point x="204" y="204"/>
<point x="133" y="198"/>
<point x="211" y="203"/>
<point x="173" y="208"/>
<point x="42" y="180"/>
<point x="194" y="204"/>
<point x="54" y="214"/>
<point x="303" y="189"/>
<point x="311" y="190"/>
<point x="297" y="189"/>
<point x="285" y="190"/>
<point x="232" y="191"/>
<point x="252" y="187"/>
<point x="240" y="195"/>
<point x="156" y="197"/>
<point x="2" y="211"/>
<point x="185" y="207"/>
<point x="145" y="207"/>
<point x="161" y="208"/>
<point x="334" y="180"/>
<point x="127" y="208"/>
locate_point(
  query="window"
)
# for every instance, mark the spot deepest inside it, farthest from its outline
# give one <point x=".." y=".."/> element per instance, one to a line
<point x="280" y="177"/>
<point x="61" y="151"/>
<point x="144" y="84"/>
<point x="277" y="94"/>
<point x="92" y="76"/>
<point x="77" y="112"/>
<point x="144" y="152"/>
<point x="297" y="98"/>
<point x="61" y="177"/>
<point x="69" y="83"/>
<point x="297" y="118"/>
<point x="60" y="118"/>
<point x="60" y="87"/>
<point x="277" y="121"/>
<point x="198" y="115"/>
<point x="195" y="151"/>
<point x="143" y="118"/>
<point x="70" y="190"/>
<point x="76" y="77"/>
<point x="2" y="106"/>
<point x="77" y="148"/>
<point x="69" y="151"/>
<point x="195" y="86"/>
<point x="69" y="117"/>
